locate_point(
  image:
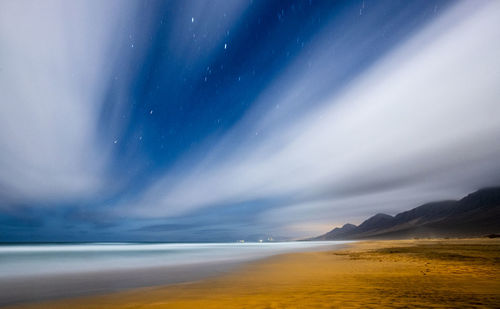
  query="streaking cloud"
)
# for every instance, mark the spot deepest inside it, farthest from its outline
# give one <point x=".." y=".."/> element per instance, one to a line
<point x="421" y="120"/>
<point x="197" y="121"/>
<point x="53" y="67"/>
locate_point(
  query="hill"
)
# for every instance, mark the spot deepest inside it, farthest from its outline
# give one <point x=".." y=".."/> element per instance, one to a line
<point x="477" y="214"/>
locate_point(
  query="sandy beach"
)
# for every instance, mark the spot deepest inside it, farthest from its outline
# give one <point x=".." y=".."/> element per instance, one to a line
<point x="405" y="273"/>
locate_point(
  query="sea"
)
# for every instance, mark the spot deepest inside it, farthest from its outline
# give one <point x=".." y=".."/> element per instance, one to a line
<point x="31" y="272"/>
<point x="20" y="260"/>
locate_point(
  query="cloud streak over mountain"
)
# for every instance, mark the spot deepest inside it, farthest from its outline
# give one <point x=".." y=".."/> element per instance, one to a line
<point x="205" y="121"/>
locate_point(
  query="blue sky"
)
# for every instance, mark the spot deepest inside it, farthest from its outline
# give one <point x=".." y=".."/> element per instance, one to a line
<point x="222" y="120"/>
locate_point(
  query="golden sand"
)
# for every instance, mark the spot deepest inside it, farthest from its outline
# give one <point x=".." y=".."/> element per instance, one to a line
<point x="410" y="273"/>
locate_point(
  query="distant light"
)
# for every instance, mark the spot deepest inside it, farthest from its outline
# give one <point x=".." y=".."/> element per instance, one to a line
<point x="225" y="46"/>
<point x="151" y="112"/>
<point x="192" y="19"/>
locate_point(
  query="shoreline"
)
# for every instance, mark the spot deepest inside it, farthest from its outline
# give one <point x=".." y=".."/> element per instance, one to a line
<point x="443" y="272"/>
<point x="37" y="288"/>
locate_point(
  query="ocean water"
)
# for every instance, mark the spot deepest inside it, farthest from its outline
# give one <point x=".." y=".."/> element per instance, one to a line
<point x="38" y="260"/>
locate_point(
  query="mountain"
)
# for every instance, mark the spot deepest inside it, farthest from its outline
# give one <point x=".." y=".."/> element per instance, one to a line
<point x="477" y="214"/>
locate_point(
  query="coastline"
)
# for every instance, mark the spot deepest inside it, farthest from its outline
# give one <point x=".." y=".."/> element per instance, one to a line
<point x="439" y="272"/>
<point x="54" y="272"/>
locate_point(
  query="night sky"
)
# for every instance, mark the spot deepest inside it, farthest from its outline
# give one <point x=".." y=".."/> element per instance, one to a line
<point x="224" y="120"/>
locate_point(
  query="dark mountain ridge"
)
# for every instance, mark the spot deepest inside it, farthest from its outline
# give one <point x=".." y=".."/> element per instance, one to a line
<point x="477" y="214"/>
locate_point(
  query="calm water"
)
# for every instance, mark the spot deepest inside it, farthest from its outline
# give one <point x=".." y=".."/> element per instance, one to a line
<point x="18" y="261"/>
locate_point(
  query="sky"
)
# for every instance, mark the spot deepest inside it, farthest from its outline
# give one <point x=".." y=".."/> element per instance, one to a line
<point x="224" y="120"/>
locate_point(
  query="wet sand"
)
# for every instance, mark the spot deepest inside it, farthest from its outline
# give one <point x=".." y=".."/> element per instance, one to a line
<point x="385" y="274"/>
<point x="40" y="288"/>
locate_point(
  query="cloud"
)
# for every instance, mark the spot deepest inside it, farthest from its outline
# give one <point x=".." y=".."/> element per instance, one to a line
<point x="59" y="61"/>
<point x="317" y="147"/>
<point x="422" y="119"/>
<point x="53" y="66"/>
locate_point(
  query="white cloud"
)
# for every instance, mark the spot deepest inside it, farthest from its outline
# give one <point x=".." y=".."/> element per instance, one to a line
<point x="53" y="66"/>
<point x="58" y="60"/>
<point x="424" y="117"/>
